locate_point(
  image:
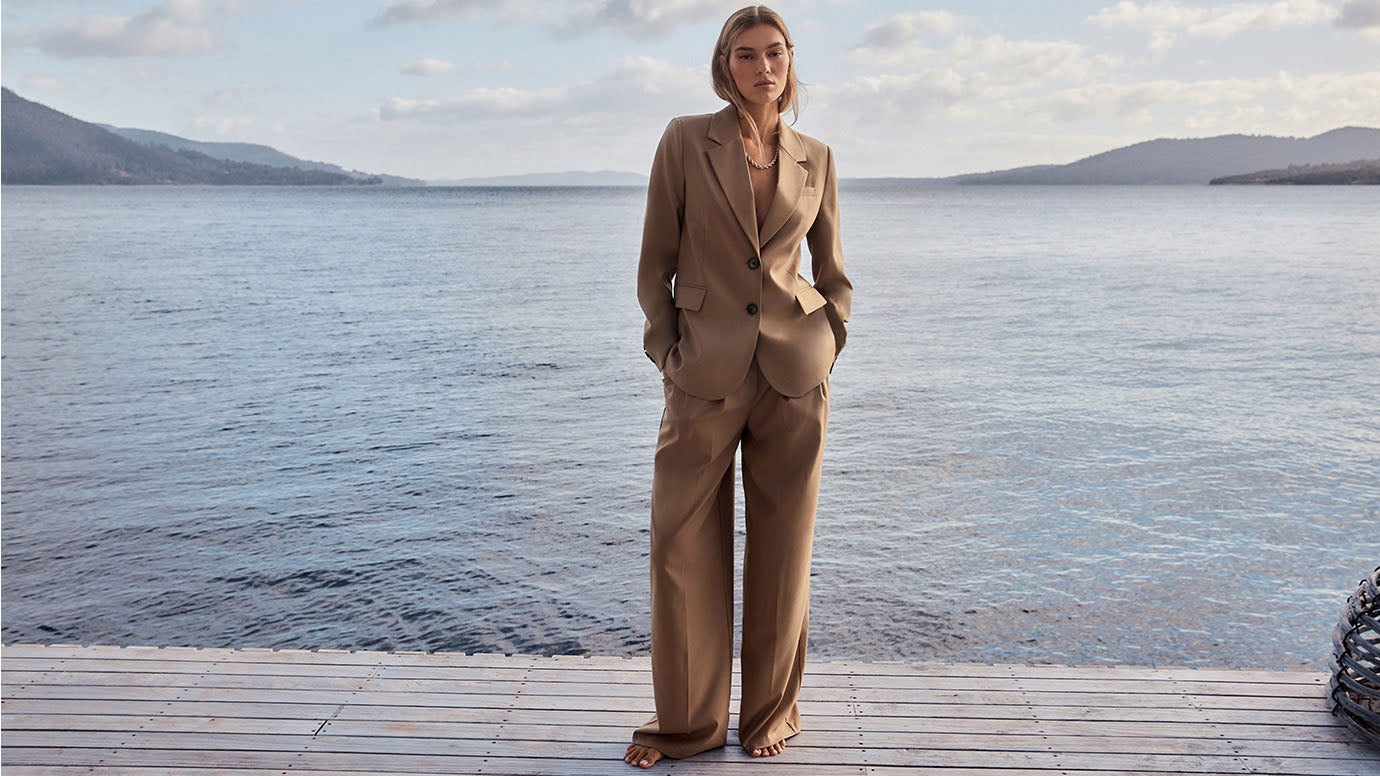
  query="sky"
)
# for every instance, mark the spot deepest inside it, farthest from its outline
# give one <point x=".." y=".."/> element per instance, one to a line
<point x="445" y="89"/>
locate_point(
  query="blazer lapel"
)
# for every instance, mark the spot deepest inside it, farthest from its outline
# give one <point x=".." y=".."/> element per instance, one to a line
<point x="730" y="168"/>
<point x="790" y="182"/>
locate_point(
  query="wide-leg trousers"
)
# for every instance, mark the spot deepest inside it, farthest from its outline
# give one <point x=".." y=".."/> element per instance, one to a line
<point x="782" y="444"/>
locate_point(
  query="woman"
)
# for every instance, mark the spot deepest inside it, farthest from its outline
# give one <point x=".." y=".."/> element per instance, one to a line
<point x="745" y="345"/>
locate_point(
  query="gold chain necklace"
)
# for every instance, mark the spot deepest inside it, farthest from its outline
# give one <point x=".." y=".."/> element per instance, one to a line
<point x="766" y="166"/>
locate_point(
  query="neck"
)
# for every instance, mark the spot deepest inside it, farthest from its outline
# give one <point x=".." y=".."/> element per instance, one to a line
<point x="767" y="119"/>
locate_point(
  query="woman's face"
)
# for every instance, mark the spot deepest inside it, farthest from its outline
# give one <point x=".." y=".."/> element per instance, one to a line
<point x="758" y="60"/>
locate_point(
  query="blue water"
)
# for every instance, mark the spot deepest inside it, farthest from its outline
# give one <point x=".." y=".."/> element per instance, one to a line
<point x="1119" y="425"/>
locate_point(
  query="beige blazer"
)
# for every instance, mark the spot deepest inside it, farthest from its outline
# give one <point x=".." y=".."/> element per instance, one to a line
<point x="715" y="291"/>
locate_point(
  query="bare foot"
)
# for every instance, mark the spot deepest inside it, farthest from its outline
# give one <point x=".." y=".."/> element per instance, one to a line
<point x="641" y="756"/>
<point x="770" y="751"/>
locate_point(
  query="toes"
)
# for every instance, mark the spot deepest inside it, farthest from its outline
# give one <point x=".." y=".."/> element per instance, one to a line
<point x="641" y="756"/>
<point x="769" y="751"/>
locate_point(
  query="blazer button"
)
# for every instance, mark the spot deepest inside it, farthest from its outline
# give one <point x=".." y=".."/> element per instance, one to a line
<point x="752" y="309"/>
<point x="754" y="263"/>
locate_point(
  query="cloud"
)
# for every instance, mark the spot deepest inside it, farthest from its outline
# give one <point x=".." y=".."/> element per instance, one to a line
<point x="173" y="28"/>
<point x="241" y="93"/>
<point x="1214" y="105"/>
<point x="428" y="67"/>
<point x="611" y="120"/>
<point x="917" y="40"/>
<point x="901" y="39"/>
<point x="1168" y="20"/>
<point x="991" y="82"/>
<point x="43" y="83"/>
<point x="1134" y="103"/>
<point x="476" y="105"/>
<point x="918" y="97"/>
<point x="642" y="20"/>
<point x="412" y="11"/>
<point x="994" y="62"/>
<point x="223" y="126"/>
<point x="904" y="29"/>
<point x="1021" y="63"/>
<point x="1360" y="15"/>
<point x="12" y="37"/>
<point x="639" y="87"/>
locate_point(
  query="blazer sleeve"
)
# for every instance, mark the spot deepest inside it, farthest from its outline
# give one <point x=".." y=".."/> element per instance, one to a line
<point x="826" y="253"/>
<point x="661" y="236"/>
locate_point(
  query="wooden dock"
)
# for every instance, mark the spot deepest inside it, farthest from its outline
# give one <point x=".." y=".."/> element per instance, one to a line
<point x="113" y="710"/>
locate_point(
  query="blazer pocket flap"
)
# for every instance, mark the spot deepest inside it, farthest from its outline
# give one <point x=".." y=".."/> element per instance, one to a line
<point x="810" y="299"/>
<point x="689" y="297"/>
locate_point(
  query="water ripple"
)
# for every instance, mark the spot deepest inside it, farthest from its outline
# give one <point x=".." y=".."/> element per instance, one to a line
<point x="1072" y="425"/>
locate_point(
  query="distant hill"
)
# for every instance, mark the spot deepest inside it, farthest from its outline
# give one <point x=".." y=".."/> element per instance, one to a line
<point x="601" y="178"/>
<point x="1365" y="172"/>
<point x="42" y="146"/>
<point x="1195" y="161"/>
<point x="252" y="153"/>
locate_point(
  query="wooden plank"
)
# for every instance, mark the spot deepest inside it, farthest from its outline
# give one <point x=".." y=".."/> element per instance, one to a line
<point x="1123" y="685"/>
<point x="290" y="750"/>
<point x="869" y="739"/>
<point x="320" y="712"/>
<point x="347" y="765"/>
<point x="230" y="668"/>
<point x="807" y="748"/>
<point x="1075" y="713"/>
<point x="1014" y="697"/>
<point x="105" y="770"/>
<point x="516" y="733"/>
<point x="884" y="672"/>
<point x="309" y="657"/>
<point x="571" y="680"/>
<point x="117" y="723"/>
<point x="20" y="760"/>
<point x="520" y="703"/>
<point x="115" y="685"/>
<point x="26" y="761"/>
<point x="1148" y="673"/>
<point x="273" y="668"/>
<point x="1324" y="729"/>
<point x="641" y="664"/>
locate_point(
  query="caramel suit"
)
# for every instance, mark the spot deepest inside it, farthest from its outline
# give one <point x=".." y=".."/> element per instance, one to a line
<point x="745" y="345"/>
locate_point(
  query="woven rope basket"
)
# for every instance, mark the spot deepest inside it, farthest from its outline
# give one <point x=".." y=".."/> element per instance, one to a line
<point x="1355" y="685"/>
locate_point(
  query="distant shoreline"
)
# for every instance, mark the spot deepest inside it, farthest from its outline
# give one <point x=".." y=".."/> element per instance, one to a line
<point x="42" y="146"/>
<point x="1361" y="173"/>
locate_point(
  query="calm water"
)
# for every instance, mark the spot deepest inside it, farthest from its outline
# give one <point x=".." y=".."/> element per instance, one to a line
<point x="1125" y="425"/>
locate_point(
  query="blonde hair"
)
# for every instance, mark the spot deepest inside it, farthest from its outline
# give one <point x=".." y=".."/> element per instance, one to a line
<point x="741" y="21"/>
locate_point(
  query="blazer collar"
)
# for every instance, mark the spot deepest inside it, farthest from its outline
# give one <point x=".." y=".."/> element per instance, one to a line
<point x="723" y="129"/>
<point x="730" y="167"/>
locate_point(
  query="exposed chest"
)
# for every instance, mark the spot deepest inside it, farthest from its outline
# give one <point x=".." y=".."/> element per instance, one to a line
<point x="763" y="190"/>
